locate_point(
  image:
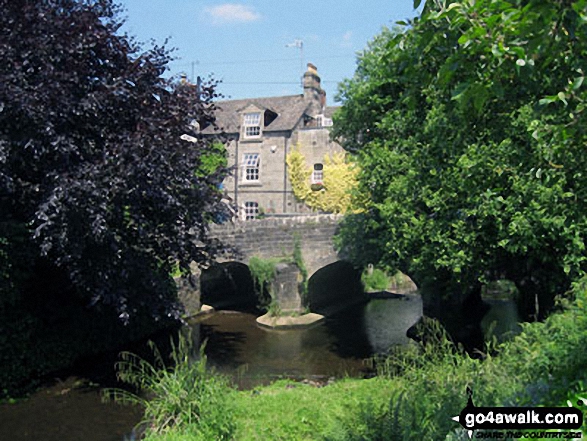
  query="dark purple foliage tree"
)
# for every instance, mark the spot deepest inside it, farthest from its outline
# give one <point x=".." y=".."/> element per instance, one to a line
<point x="92" y="159"/>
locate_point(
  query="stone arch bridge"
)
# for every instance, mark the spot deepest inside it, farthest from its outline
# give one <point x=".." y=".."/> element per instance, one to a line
<point x="276" y="237"/>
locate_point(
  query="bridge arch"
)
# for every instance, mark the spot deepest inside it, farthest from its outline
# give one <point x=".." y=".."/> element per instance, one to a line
<point x="333" y="283"/>
<point x="228" y="285"/>
<point x="335" y="287"/>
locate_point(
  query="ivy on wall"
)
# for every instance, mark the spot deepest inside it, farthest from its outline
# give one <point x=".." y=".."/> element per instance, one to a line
<point x="340" y="178"/>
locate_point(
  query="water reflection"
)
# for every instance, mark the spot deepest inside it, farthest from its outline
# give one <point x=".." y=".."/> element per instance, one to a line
<point x="388" y="320"/>
<point x="236" y="343"/>
<point x="67" y="410"/>
<point x="337" y="347"/>
<point x="240" y="348"/>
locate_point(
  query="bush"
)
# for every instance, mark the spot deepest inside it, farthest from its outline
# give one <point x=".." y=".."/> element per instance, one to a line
<point x="375" y="280"/>
<point x="461" y="185"/>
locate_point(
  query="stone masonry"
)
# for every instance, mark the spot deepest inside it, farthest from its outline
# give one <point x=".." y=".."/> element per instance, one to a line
<point x="270" y="238"/>
<point x="275" y="237"/>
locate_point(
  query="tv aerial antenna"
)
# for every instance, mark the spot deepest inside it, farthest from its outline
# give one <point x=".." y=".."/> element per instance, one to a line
<point x="300" y="45"/>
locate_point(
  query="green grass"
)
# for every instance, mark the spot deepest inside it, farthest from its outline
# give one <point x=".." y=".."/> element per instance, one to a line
<point x="295" y="411"/>
<point x="417" y="391"/>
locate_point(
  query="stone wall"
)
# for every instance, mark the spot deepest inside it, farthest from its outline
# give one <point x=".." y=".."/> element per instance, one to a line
<point x="188" y="293"/>
<point x="275" y="237"/>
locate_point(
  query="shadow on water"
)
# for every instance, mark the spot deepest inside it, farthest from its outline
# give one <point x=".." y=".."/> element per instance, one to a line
<point x="69" y="410"/>
<point x="349" y="331"/>
<point x="481" y="316"/>
<point x="69" y="406"/>
<point x="223" y="337"/>
<point x="237" y="346"/>
<point x="337" y="347"/>
<point x="374" y="326"/>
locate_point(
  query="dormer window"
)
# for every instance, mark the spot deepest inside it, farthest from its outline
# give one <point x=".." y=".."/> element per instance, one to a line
<point x="252" y="125"/>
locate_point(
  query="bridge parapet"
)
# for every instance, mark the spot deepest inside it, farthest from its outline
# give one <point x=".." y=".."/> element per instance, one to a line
<point x="277" y="221"/>
<point x="276" y="237"/>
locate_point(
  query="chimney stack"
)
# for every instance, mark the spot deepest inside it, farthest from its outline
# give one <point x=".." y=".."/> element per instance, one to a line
<point x="312" y="90"/>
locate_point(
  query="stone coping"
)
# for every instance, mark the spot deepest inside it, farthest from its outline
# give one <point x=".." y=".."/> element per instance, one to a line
<point x="275" y="222"/>
<point x="290" y="322"/>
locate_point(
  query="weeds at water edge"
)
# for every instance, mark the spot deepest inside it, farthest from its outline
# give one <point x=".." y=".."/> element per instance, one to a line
<point x="183" y="394"/>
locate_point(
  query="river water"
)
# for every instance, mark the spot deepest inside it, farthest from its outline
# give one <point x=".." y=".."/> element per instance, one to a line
<point x="237" y="346"/>
<point x="71" y="409"/>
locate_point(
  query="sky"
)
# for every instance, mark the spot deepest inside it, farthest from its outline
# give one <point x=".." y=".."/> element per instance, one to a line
<point x="250" y="45"/>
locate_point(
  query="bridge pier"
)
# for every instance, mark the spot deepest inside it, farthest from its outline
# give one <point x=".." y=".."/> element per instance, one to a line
<point x="286" y="293"/>
<point x="285" y="288"/>
<point x="188" y="292"/>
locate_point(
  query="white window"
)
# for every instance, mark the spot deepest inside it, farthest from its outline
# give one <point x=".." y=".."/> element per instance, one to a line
<point x="251" y="210"/>
<point x="322" y="121"/>
<point x="318" y="174"/>
<point x="251" y="164"/>
<point x="252" y="125"/>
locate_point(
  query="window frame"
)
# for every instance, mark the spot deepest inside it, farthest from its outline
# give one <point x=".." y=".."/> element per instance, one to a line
<point x="318" y="173"/>
<point x="252" y="121"/>
<point x="250" y="210"/>
<point x="251" y="167"/>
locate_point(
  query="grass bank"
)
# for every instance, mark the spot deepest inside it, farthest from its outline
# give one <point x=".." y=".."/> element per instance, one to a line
<point x="413" y="398"/>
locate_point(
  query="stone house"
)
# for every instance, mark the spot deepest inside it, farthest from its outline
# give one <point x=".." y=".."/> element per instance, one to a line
<point x="261" y="133"/>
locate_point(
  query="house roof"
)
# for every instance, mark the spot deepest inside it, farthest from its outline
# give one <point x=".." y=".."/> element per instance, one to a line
<point x="289" y="110"/>
<point x="329" y="111"/>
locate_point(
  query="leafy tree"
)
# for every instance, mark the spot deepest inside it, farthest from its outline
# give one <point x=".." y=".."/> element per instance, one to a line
<point x="469" y="128"/>
<point x="94" y="158"/>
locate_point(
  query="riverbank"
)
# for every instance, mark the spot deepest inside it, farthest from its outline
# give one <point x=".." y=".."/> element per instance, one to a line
<point x="415" y="396"/>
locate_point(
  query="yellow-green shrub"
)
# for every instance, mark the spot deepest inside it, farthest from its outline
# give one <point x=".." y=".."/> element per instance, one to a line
<point x="340" y="178"/>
